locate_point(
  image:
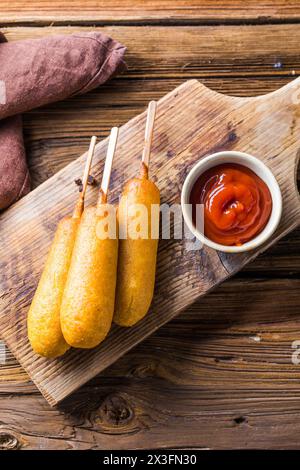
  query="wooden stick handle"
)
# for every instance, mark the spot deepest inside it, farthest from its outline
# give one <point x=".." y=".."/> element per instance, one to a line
<point x="80" y="203"/>
<point x="148" y="135"/>
<point x="87" y="168"/>
<point x="108" y="164"/>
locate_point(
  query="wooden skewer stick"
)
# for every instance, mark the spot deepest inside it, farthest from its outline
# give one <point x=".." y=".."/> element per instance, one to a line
<point x="148" y="137"/>
<point x="89" y="159"/>
<point x="108" y="164"/>
<point x="80" y="203"/>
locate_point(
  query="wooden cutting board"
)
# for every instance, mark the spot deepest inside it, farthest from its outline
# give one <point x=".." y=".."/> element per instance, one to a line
<point x="192" y="121"/>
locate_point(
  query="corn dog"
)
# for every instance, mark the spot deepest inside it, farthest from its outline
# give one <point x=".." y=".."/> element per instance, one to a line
<point x="88" y="300"/>
<point x="137" y="256"/>
<point x="43" y="322"/>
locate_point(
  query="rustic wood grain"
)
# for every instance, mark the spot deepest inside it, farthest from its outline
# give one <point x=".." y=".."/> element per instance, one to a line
<point x="211" y="51"/>
<point x="55" y="135"/>
<point x="139" y="11"/>
<point x="227" y="59"/>
<point x="251" y="416"/>
<point x="213" y="121"/>
<point x="225" y="381"/>
<point x="222" y="310"/>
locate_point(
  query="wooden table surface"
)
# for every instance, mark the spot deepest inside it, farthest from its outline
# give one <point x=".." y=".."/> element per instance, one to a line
<point x="221" y="375"/>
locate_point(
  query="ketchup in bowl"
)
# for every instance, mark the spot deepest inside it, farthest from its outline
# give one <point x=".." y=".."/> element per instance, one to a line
<point x="237" y="203"/>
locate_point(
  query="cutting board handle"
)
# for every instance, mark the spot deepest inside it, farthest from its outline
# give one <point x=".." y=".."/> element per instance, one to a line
<point x="284" y="119"/>
<point x="267" y="127"/>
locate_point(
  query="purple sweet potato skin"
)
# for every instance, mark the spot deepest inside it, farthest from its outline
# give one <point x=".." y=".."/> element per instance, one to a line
<point x="14" y="174"/>
<point x="35" y="72"/>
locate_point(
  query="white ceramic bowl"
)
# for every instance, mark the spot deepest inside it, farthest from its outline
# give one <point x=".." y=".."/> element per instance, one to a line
<point x="261" y="170"/>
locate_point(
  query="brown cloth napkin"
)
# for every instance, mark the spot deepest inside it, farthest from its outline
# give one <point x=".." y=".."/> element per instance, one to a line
<point x="36" y="72"/>
<point x="14" y="174"/>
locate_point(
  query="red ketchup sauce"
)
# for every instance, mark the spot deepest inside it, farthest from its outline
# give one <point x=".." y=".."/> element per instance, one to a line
<point x="237" y="203"/>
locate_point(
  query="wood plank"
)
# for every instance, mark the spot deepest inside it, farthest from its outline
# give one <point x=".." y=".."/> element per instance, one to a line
<point x="221" y="380"/>
<point x="124" y="97"/>
<point x="55" y="135"/>
<point x="267" y="422"/>
<point x="209" y="51"/>
<point x="50" y="131"/>
<point x="139" y="416"/>
<point x="216" y="315"/>
<point x="222" y="109"/>
<point x="282" y="259"/>
<point x="141" y="11"/>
